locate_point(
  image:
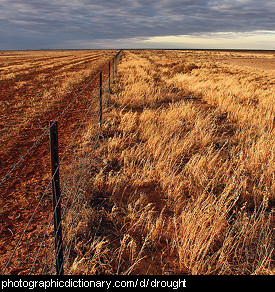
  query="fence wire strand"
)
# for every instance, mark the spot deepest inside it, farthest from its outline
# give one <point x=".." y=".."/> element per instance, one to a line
<point x="70" y="206"/>
<point x="65" y="183"/>
<point x="23" y="157"/>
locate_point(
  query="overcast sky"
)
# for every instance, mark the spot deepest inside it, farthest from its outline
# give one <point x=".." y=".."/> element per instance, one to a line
<point x="61" y="24"/>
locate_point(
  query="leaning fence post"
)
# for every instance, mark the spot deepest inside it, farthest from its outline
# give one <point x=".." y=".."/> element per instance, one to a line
<point x="109" y="76"/>
<point x="56" y="198"/>
<point x="113" y="69"/>
<point x="100" y="98"/>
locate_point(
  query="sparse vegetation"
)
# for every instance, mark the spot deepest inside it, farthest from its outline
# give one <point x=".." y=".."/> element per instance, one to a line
<point x="36" y="86"/>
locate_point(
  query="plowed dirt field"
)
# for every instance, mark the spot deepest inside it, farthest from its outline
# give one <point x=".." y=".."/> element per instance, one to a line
<point x="35" y="87"/>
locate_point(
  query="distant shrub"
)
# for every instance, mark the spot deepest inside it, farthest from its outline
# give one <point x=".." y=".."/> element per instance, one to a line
<point x="185" y="68"/>
<point x="179" y="69"/>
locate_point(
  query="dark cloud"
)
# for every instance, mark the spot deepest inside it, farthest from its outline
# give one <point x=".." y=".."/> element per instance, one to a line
<point x="62" y="23"/>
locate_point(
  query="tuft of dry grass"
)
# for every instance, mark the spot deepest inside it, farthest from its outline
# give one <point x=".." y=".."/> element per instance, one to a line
<point x="183" y="180"/>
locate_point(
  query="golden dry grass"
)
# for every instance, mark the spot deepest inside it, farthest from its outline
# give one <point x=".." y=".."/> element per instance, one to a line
<point x="183" y="181"/>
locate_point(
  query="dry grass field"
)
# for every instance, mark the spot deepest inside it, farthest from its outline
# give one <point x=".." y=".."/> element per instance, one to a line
<point x="181" y="180"/>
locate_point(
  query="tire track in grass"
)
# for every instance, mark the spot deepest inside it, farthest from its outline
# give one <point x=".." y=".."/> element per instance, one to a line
<point x="157" y="256"/>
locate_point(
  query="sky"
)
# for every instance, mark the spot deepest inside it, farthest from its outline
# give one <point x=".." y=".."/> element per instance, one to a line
<point x="99" y="24"/>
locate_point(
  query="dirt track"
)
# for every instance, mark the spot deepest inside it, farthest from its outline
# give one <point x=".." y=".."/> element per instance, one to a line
<point x="21" y="192"/>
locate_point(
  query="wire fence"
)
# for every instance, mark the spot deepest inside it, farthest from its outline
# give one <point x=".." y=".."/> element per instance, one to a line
<point x="43" y="242"/>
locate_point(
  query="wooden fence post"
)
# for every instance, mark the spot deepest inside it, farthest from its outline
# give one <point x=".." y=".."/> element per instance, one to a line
<point x="100" y="98"/>
<point x="56" y="198"/>
<point x="109" y="76"/>
<point x="113" y="69"/>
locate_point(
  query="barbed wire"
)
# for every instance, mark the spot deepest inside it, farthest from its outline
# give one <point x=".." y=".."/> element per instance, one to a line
<point x="23" y="157"/>
<point x="35" y="257"/>
<point x="64" y="208"/>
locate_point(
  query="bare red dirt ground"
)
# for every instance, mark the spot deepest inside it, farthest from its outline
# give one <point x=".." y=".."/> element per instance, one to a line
<point x="21" y="191"/>
<point x="261" y="63"/>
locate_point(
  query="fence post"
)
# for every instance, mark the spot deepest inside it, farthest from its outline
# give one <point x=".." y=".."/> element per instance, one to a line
<point x="109" y="76"/>
<point x="100" y="98"/>
<point x="113" y="69"/>
<point x="56" y="198"/>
